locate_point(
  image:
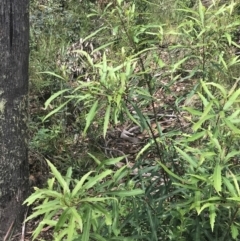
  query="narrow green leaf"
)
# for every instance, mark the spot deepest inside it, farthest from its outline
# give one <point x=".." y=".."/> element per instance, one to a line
<point x="126" y="110"/>
<point x="229" y="186"/>
<point x="193" y="111"/>
<point x="106" y="120"/>
<point x="79" y="185"/>
<point x="201" y="11"/>
<point x="120" y="174"/>
<point x="230" y="155"/>
<point x="235" y="183"/>
<point x="231" y="100"/>
<point x="71" y="229"/>
<point x="207" y="91"/>
<point x="69" y="175"/>
<point x="123" y="193"/>
<point x="197" y="125"/>
<point x="234" y="231"/>
<point x="94" y="158"/>
<point x="54" y="96"/>
<point x="42" y="211"/>
<point x="47" y="216"/>
<point x="204" y="99"/>
<point x="186" y="157"/>
<point x="96" y="199"/>
<point x="77" y="218"/>
<point x="143" y="123"/>
<point x="53" y="74"/>
<point x="94" y="33"/>
<point x="97" y="237"/>
<point x="231" y="126"/>
<point x="112" y="161"/>
<point x="216" y="144"/>
<point x="87" y="225"/>
<point x="90" y="116"/>
<point x="62" y="220"/>
<point x="217" y="178"/>
<point x="197" y="201"/>
<point x="33" y="197"/>
<point x="49" y="204"/>
<point x="195" y="136"/>
<point x="220" y="87"/>
<point x="115" y="214"/>
<point x="96" y="179"/>
<point x="150" y="143"/>
<point x="171" y="173"/>
<point x="55" y="110"/>
<point x="212" y="215"/>
<point x="59" y="177"/>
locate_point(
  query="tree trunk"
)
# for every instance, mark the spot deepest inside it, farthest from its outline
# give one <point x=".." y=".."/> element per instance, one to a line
<point x="14" y="50"/>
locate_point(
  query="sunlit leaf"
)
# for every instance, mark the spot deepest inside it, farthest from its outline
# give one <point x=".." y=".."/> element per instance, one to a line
<point x="91" y="182"/>
<point x="79" y="185"/>
<point x="217" y="178"/>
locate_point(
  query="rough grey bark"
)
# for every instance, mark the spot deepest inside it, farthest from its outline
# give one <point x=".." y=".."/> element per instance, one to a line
<point x="14" y="34"/>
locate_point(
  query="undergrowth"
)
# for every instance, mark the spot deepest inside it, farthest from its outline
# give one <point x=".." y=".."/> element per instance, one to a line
<point x="139" y="118"/>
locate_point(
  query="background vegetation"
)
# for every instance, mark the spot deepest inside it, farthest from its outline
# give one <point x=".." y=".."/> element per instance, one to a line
<point x="134" y="120"/>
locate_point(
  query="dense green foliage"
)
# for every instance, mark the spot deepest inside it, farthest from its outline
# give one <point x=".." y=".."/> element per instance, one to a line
<point x="164" y="75"/>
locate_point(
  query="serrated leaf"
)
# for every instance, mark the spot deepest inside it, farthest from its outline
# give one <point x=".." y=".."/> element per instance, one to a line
<point x="71" y="229"/>
<point x="212" y="215"/>
<point x="31" y="199"/>
<point x="77" y="218"/>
